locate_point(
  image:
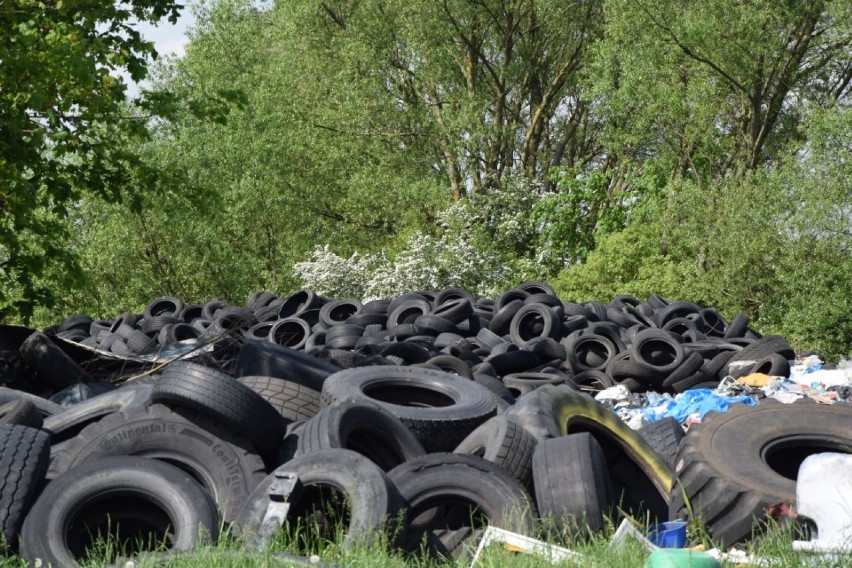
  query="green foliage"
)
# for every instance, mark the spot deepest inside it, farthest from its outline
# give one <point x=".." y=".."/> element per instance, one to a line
<point x="67" y="132"/>
<point x="716" y="87"/>
<point x="766" y="244"/>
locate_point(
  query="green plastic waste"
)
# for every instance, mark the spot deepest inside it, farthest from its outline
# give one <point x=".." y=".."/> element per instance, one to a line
<point x="680" y="558"/>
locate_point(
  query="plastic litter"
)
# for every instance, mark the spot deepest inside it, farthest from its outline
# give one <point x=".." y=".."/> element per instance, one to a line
<point x="696" y="401"/>
<point x="628" y="531"/>
<point x="681" y="558"/>
<point x="670" y="534"/>
<point x="824" y="494"/>
<point x="520" y="543"/>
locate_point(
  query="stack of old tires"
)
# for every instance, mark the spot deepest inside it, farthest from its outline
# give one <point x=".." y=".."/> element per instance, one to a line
<point x="432" y="414"/>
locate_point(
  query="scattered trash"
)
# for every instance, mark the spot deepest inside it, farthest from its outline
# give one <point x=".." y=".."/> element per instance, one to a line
<point x="824" y="494"/>
<point x="671" y="534"/>
<point x="681" y="558"/>
<point x="515" y="542"/>
<point x="628" y="531"/>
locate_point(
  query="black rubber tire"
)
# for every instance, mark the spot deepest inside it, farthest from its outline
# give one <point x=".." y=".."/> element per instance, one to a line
<point x="51" y="363"/>
<point x="451" y="364"/>
<point x="774" y="365"/>
<point x="449" y="492"/>
<point x="553" y="411"/>
<point x="664" y="435"/>
<point x="495" y="386"/>
<point x="407" y="310"/>
<point x="292" y="333"/>
<point x="502" y="319"/>
<point x="737" y="327"/>
<point x="640" y="371"/>
<point x="732" y="466"/>
<point x="24" y="456"/>
<point x="534" y="321"/>
<point x="223" y="399"/>
<point x="44" y="406"/>
<point x="224" y="462"/>
<point x="441" y="409"/>
<point x="572" y="485"/>
<point x="535" y="287"/>
<point x="144" y="501"/>
<point x="456" y="310"/>
<point x="715" y="367"/>
<point x="373" y="500"/>
<point x="22" y="412"/>
<point x="658" y="349"/>
<point x="163" y="306"/>
<point x="338" y="311"/>
<point x="67" y="424"/>
<point x="434" y="325"/>
<point x="361" y="426"/>
<point x="690" y="365"/>
<point x="520" y="384"/>
<point x="263" y="358"/>
<point x="761" y="348"/>
<point x="293" y="401"/>
<point x="516" y="361"/>
<point x="589" y="352"/>
<point x="593" y="381"/>
<point x="504" y="443"/>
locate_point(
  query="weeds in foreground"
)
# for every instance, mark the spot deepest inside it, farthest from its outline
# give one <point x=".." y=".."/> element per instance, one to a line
<point x="773" y="547"/>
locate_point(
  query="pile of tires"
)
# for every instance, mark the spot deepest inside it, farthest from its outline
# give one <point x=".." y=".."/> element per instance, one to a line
<point x="431" y="415"/>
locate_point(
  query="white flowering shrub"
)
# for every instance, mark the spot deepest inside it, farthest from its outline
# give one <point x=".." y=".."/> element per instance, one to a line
<point x="483" y="244"/>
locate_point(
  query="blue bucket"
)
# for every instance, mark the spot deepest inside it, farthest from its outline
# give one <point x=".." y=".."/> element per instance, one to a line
<point x="671" y="534"/>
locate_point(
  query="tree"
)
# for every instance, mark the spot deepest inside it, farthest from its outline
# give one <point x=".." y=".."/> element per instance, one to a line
<point x="65" y="128"/>
<point x="717" y="87"/>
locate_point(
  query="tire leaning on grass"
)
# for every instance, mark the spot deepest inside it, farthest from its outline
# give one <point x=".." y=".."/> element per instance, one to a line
<point x="223" y="461"/>
<point x="454" y="495"/>
<point x="635" y="468"/>
<point x="138" y="501"/>
<point x="572" y="485"/>
<point x="732" y="466"/>
<point x="372" y="500"/>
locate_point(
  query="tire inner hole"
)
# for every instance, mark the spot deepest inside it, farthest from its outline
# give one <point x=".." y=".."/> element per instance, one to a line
<point x="124" y="523"/>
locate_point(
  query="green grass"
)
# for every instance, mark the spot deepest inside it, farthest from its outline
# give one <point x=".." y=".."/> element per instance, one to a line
<point x="773" y="547"/>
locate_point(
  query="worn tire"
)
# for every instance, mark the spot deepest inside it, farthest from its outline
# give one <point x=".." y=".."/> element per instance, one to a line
<point x="24" y="456"/>
<point x="372" y="499"/>
<point x="572" y="485"/>
<point x="224" y="399"/>
<point x="664" y="435"/>
<point x="150" y="500"/>
<point x="732" y="466"/>
<point x="505" y="443"/>
<point x="553" y="411"/>
<point x="448" y="492"/>
<point x="44" y="406"/>
<point x="440" y="408"/>
<point x="67" y="424"/>
<point x="22" y="412"/>
<point x="361" y="426"/>
<point x="292" y="400"/>
<point x="224" y="462"/>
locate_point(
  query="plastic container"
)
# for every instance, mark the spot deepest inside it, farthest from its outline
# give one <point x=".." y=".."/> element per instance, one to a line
<point x="671" y="534"/>
<point x="680" y="558"/>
